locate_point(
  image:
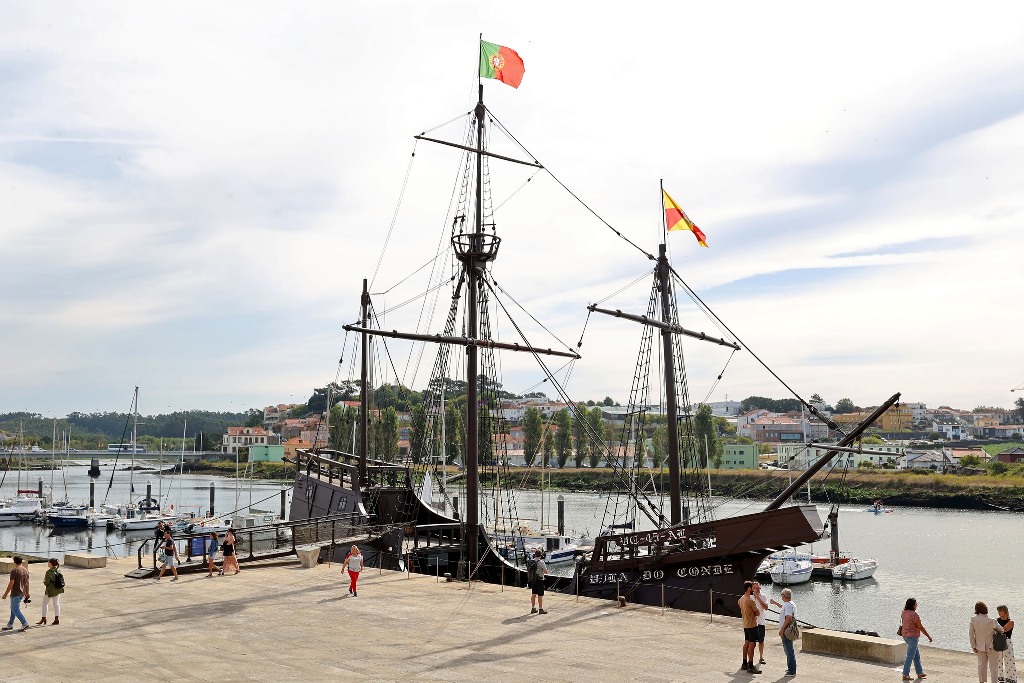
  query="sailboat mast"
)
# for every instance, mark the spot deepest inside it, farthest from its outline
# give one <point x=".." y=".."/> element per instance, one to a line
<point x="472" y="266"/>
<point x="135" y="431"/>
<point x="364" y="403"/>
<point x="675" y="503"/>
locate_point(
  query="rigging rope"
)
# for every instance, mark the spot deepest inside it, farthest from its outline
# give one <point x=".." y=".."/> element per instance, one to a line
<point x="394" y="216"/>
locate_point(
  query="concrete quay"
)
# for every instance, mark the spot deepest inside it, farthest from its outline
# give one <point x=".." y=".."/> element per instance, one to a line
<point x="285" y="623"/>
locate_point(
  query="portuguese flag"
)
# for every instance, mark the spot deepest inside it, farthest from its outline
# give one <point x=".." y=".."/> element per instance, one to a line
<point x="676" y="219"/>
<point x="503" y="63"/>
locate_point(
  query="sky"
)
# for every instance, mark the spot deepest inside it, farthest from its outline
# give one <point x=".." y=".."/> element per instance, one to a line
<point x="192" y="193"/>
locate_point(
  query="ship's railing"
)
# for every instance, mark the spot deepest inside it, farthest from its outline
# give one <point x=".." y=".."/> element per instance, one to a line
<point x="630" y="547"/>
<point x="264" y="542"/>
<point x="344" y="467"/>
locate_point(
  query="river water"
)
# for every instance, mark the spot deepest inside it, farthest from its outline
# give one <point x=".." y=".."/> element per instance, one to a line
<point x="946" y="559"/>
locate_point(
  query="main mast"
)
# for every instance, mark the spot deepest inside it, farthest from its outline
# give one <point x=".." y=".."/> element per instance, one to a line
<point x="473" y="261"/>
<point x="675" y="497"/>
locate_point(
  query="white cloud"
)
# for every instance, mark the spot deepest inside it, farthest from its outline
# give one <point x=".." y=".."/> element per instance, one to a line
<point x="191" y="198"/>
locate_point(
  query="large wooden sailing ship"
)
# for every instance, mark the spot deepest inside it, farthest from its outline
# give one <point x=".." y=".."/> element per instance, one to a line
<point x="686" y="559"/>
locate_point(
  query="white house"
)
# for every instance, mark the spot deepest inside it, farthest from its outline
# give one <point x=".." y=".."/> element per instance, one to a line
<point x="930" y="460"/>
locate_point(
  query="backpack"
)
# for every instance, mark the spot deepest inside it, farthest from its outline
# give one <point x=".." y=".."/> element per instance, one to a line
<point x="58" y="580"/>
<point x="531" y="570"/>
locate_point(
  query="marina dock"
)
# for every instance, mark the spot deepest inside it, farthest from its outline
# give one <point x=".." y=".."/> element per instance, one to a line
<point x="283" y="622"/>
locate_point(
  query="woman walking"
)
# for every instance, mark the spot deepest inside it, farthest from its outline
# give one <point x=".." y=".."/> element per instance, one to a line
<point x="211" y="552"/>
<point x="230" y="560"/>
<point x="981" y="630"/>
<point x="354" y="564"/>
<point x="787" y="616"/>
<point x="911" y="629"/>
<point x="54" y="587"/>
<point x="1007" y="666"/>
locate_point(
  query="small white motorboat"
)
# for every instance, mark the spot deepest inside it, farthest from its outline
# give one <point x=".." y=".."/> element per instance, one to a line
<point x="791" y="571"/>
<point x="23" y="508"/>
<point x="855" y="569"/>
<point x="765" y="568"/>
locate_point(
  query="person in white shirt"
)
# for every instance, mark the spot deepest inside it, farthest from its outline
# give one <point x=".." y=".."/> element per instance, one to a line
<point x="354" y="564"/>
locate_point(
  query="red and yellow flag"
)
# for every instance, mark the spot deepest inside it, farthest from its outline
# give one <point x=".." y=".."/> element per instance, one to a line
<point x="676" y="219"/>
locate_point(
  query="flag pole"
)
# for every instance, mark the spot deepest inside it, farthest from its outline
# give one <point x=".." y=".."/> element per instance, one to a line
<point x="664" y="220"/>
<point x="479" y="78"/>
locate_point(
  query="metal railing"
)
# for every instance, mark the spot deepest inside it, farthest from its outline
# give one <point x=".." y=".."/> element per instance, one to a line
<point x="267" y="542"/>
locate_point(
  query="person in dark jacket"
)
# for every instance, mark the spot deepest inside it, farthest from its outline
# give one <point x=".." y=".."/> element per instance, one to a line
<point x="52" y="592"/>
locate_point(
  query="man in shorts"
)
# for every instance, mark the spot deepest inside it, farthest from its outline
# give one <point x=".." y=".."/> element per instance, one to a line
<point x="537" y="583"/>
<point x="748" y="610"/>
<point x="761" y="602"/>
<point x="170" y="557"/>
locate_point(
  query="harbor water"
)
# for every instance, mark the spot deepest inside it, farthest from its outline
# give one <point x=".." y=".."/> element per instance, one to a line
<point x="188" y="493"/>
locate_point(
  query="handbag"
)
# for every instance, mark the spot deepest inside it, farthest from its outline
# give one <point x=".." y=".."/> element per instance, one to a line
<point x="899" y="631"/>
<point x="999" y="642"/>
<point x="792" y="631"/>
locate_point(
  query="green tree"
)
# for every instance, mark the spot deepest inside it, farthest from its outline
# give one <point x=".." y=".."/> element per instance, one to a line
<point x="385" y="435"/>
<point x="597" y="446"/>
<point x="845" y="405"/>
<point x="579" y="435"/>
<point x="418" y="438"/>
<point x="532" y="426"/>
<point x="816" y="398"/>
<point x="1019" y="411"/>
<point x="709" y="445"/>
<point x="548" y="448"/>
<point x="485" y="436"/>
<point x="454" y="433"/>
<point x="343" y="419"/>
<point x="253" y="417"/>
<point x="608" y="401"/>
<point x="659" y="446"/>
<point x="970" y="461"/>
<point x="563" y="438"/>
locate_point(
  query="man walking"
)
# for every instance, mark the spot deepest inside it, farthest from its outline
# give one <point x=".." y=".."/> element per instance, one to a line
<point x="18" y="589"/>
<point x="536" y="569"/>
<point x="170" y="557"/>
<point x="748" y="610"/>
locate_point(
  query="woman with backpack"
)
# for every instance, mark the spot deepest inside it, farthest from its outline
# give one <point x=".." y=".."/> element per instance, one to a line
<point x="54" y="584"/>
<point x="354" y="564"/>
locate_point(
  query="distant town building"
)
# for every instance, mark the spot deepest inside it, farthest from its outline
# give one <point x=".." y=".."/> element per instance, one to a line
<point x="739" y="456"/>
<point x="268" y="453"/>
<point x="1011" y="456"/>
<point x="292" y="446"/>
<point x="243" y="437"/>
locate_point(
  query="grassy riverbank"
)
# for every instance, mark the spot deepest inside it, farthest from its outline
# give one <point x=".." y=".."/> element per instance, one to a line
<point x="895" y="488"/>
<point x="260" y="470"/>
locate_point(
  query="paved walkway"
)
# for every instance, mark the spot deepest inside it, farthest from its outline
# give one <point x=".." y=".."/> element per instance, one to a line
<point x="287" y="623"/>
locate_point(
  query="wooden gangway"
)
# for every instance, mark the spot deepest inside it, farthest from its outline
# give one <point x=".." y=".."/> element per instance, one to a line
<point x="267" y="545"/>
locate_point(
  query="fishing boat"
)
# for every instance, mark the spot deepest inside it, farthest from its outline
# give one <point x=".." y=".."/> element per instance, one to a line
<point x="675" y="554"/>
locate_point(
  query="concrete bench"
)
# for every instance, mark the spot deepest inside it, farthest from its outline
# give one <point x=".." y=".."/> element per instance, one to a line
<point x="85" y="560"/>
<point x="308" y="555"/>
<point x="6" y="565"/>
<point x="854" y="646"/>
